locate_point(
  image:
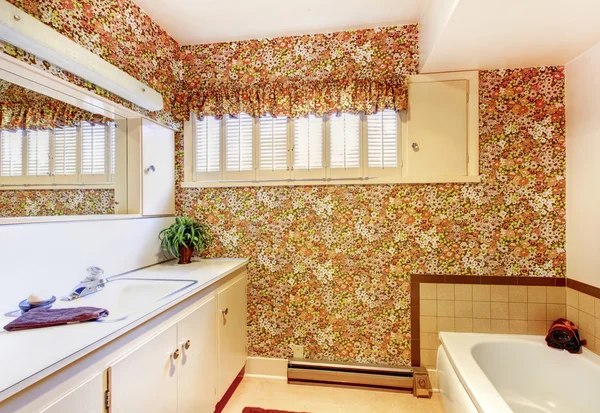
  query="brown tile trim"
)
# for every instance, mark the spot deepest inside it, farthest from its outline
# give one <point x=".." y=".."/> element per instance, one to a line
<point x="487" y="279"/>
<point x="415" y="325"/>
<point x="584" y="288"/>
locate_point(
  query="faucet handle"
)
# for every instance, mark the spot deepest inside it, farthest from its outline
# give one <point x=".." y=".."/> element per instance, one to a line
<point x="94" y="273"/>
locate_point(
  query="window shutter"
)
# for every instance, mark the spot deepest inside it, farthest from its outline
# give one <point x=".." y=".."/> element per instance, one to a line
<point x="65" y="151"/>
<point x="38" y="153"/>
<point x="208" y="145"/>
<point x="344" y="143"/>
<point x="308" y="147"/>
<point x="93" y="149"/>
<point x="239" y="147"/>
<point x="382" y="140"/>
<point x="11" y="152"/>
<point x="273" y="148"/>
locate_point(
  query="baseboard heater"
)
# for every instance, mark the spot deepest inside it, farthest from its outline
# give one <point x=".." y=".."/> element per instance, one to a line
<point x="414" y="379"/>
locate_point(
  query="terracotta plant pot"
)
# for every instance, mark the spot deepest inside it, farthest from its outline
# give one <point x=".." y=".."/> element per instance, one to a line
<point x="185" y="255"/>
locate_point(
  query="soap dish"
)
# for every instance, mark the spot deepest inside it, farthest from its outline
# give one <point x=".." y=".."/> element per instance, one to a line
<point x="26" y="306"/>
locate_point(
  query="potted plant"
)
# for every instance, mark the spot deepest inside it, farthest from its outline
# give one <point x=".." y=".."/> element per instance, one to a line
<point x="183" y="238"/>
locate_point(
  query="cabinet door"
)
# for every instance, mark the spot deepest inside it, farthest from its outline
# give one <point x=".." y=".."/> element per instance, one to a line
<point x="158" y="175"/>
<point x="232" y="333"/>
<point x="145" y="379"/>
<point x="87" y="398"/>
<point x="197" y="375"/>
<point x="437" y="129"/>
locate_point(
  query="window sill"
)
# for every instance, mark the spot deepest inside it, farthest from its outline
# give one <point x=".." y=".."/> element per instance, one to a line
<point x="34" y="187"/>
<point x="325" y="182"/>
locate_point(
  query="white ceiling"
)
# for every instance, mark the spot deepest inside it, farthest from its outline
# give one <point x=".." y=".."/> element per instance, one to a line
<point x="494" y="34"/>
<point x="213" y="21"/>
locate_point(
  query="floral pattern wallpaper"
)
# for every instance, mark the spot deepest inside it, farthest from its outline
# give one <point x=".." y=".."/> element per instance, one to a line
<point x="361" y="70"/>
<point x="56" y="202"/>
<point x="330" y="265"/>
<point x="22" y="108"/>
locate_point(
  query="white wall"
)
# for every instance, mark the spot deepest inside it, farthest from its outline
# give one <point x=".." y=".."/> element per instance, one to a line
<point x="583" y="167"/>
<point x="53" y="256"/>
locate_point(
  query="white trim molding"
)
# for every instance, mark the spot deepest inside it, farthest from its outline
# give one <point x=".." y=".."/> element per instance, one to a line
<point x="26" y="32"/>
<point x="266" y="368"/>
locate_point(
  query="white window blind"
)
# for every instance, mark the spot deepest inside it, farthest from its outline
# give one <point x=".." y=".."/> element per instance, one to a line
<point x="93" y="149"/>
<point x="308" y="143"/>
<point x="208" y="145"/>
<point x="273" y="150"/>
<point x="382" y="139"/>
<point x="11" y="153"/>
<point x="238" y="143"/>
<point x="38" y="153"/>
<point x="65" y="151"/>
<point x="344" y="141"/>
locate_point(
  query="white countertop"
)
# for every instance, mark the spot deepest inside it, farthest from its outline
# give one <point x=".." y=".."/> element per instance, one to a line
<point x="50" y="349"/>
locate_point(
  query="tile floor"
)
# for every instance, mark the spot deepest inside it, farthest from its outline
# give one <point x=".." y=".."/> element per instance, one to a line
<point x="277" y="394"/>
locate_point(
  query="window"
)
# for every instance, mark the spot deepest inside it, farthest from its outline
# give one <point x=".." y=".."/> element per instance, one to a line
<point x="65" y="152"/>
<point x="316" y="148"/>
<point x="382" y="142"/>
<point x="207" y="144"/>
<point x="11" y="151"/>
<point x="344" y="146"/>
<point x="308" y="148"/>
<point x="70" y="155"/>
<point x="239" y="154"/>
<point x="273" y="148"/>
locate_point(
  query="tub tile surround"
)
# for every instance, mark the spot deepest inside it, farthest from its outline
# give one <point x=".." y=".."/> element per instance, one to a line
<point x="482" y="308"/>
<point x="583" y="308"/>
<point x="498" y="309"/>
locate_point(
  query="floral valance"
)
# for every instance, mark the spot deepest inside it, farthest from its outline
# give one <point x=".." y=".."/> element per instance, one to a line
<point x="352" y="71"/>
<point x="295" y="99"/>
<point x="22" y="108"/>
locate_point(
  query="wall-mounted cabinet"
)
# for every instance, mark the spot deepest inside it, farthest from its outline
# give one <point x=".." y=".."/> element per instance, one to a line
<point x="151" y="168"/>
<point x="441" y="131"/>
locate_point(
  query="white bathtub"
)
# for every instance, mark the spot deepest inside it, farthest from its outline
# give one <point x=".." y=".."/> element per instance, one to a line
<point x="493" y="373"/>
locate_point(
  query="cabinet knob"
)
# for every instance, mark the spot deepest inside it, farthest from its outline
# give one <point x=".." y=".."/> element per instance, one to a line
<point x="415" y="146"/>
<point x="187" y="344"/>
<point x="151" y="168"/>
<point x="176" y="354"/>
<point x="225" y="311"/>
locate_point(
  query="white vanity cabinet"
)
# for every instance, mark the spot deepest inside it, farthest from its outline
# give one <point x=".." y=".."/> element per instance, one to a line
<point x="197" y="369"/>
<point x="231" y="333"/>
<point x="189" y="366"/>
<point x="86" y="398"/>
<point x="145" y="379"/>
<point x="181" y="359"/>
<point x="173" y="371"/>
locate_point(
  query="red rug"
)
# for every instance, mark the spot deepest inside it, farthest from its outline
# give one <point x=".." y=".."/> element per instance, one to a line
<point x="259" y="410"/>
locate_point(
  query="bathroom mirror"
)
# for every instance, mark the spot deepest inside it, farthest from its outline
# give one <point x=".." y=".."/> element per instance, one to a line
<point x="58" y="155"/>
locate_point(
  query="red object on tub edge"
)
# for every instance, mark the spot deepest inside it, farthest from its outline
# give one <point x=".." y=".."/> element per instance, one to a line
<point x="564" y="335"/>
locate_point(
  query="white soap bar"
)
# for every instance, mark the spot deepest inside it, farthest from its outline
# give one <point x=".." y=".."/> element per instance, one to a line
<point x="37" y="298"/>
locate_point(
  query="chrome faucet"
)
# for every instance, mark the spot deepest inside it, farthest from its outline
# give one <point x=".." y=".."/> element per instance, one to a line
<point x="90" y="285"/>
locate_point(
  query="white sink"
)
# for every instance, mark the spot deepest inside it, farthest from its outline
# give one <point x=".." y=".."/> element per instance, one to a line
<point x="124" y="296"/>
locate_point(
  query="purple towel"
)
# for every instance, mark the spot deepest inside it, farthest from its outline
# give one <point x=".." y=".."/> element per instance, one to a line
<point x="39" y="318"/>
